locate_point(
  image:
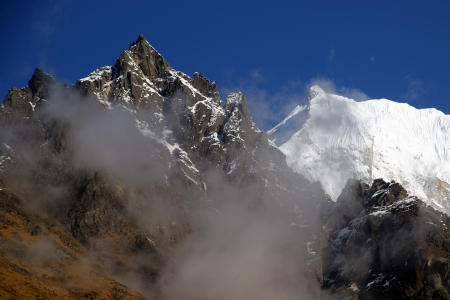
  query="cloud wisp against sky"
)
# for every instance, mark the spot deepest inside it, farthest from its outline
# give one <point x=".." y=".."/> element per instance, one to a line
<point x="416" y="89"/>
<point x="268" y="107"/>
<point x="331" y="56"/>
<point x="329" y="86"/>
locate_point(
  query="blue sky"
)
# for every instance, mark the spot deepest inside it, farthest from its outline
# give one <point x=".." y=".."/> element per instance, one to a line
<point x="270" y="50"/>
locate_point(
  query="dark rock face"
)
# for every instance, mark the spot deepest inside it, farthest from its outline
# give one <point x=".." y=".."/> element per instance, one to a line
<point x="96" y="213"/>
<point x="152" y="64"/>
<point x="41" y="83"/>
<point x="386" y="244"/>
<point x="18" y="110"/>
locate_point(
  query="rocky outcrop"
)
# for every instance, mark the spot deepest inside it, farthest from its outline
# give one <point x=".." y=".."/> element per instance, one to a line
<point x="41" y="84"/>
<point x="438" y="191"/>
<point x="386" y="245"/>
<point x="204" y="86"/>
<point x="152" y="64"/>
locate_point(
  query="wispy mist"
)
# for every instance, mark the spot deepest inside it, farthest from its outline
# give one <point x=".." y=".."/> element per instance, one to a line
<point x="106" y="140"/>
<point x="270" y="108"/>
<point x="329" y="86"/>
<point x="239" y="254"/>
<point x="229" y="240"/>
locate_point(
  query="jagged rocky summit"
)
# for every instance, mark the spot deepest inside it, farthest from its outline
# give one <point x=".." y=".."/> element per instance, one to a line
<point x="138" y="157"/>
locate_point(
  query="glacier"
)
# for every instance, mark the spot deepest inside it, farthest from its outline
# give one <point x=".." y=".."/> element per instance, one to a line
<point x="331" y="138"/>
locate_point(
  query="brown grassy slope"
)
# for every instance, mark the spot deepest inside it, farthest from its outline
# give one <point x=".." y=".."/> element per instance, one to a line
<point x="39" y="259"/>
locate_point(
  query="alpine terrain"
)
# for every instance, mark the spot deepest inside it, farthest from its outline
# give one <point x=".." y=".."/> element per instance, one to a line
<point x="141" y="182"/>
<point x="330" y="138"/>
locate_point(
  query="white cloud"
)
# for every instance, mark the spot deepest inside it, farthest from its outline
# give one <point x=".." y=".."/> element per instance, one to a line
<point x="270" y="108"/>
<point x="47" y="19"/>
<point x="331" y="56"/>
<point x="415" y="89"/>
<point x="353" y="93"/>
<point x="325" y="84"/>
<point x="329" y="86"/>
<point x="267" y="108"/>
<point x="256" y="74"/>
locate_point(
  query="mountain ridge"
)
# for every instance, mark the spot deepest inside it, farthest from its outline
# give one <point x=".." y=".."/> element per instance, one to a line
<point x="385" y="139"/>
<point x="142" y="159"/>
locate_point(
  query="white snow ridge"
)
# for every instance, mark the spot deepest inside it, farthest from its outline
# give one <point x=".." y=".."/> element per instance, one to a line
<point x="330" y="138"/>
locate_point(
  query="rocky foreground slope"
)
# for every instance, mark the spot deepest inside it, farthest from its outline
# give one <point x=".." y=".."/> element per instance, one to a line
<point x="140" y="182"/>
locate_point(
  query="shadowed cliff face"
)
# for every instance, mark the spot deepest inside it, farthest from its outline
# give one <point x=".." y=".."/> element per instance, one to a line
<point x="385" y="244"/>
<point x="164" y="185"/>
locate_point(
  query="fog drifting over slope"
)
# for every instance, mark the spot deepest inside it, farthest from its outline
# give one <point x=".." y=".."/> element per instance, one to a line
<point x="241" y="242"/>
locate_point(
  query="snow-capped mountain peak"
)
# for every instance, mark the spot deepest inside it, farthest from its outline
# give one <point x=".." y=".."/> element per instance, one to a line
<point x="331" y="138"/>
<point x="315" y="91"/>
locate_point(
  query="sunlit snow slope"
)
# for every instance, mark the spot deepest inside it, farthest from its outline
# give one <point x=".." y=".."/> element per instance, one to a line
<point x="330" y="138"/>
